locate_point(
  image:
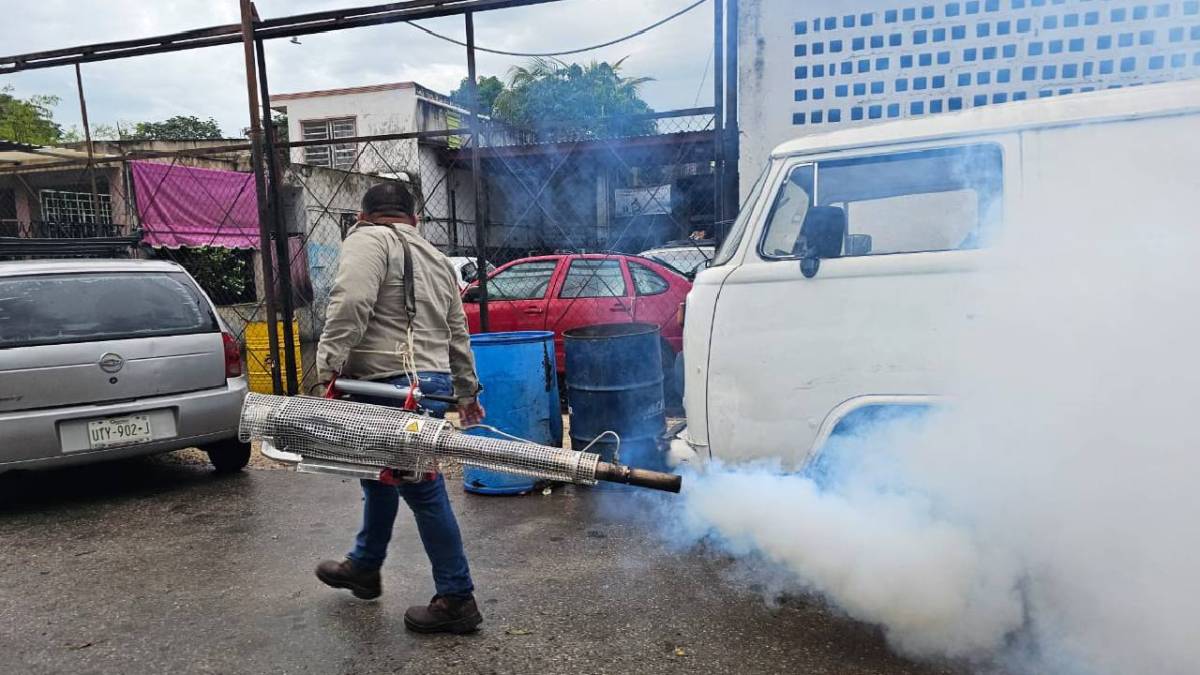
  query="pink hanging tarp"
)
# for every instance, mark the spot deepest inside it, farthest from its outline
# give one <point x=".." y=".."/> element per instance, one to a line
<point x="184" y="206"/>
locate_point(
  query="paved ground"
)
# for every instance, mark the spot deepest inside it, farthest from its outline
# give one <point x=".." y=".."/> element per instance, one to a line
<point x="148" y="566"/>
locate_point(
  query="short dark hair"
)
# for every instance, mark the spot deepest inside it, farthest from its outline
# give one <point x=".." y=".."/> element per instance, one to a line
<point x="392" y="198"/>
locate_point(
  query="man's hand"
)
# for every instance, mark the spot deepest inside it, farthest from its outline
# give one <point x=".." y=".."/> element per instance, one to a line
<point x="470" y="411"/>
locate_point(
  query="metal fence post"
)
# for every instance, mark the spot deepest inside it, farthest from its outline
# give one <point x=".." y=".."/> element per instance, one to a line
<point x="260" y="189"/>
<point x="719" y="169"/>
<point x="283" y="252"/>
<point x="476" y="141"/>
<point x="732" y="140"/>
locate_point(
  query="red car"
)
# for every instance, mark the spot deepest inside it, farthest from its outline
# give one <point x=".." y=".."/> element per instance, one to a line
<point x="561" y="292"/>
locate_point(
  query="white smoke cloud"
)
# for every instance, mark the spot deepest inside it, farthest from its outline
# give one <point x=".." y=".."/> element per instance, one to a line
<point x="1045" y="520"/>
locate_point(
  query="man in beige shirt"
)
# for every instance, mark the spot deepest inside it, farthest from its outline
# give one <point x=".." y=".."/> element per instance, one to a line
<point x="366" y="336"/>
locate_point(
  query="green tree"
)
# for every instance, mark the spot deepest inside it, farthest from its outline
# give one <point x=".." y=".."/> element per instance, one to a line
<point x="489" y="88"/>
<point x="178" y="128"/>
<point x="552" y="100"/>
<point x="28" y="120"/>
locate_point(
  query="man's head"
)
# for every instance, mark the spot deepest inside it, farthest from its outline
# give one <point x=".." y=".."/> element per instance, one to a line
<point x="388" y="202"/>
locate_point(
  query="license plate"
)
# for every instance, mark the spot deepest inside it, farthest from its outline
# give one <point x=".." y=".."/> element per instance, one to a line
<point x="116" y="431"/>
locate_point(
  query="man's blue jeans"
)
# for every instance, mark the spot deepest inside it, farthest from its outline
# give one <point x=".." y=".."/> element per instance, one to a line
<point x="430" y="506"/>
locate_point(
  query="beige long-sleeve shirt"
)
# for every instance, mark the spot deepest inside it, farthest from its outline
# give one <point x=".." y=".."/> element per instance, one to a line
<point x="365" y="322"/>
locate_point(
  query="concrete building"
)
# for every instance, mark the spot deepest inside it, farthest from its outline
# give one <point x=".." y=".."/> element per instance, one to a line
<point x="393" y="108"/>
<point x="814" y="66"/>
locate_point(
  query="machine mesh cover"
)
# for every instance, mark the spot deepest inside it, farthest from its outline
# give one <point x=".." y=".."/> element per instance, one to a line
<point x="380" y="437"/>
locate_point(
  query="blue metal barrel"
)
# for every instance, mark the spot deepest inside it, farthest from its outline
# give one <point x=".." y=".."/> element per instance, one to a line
<point x="520" y="395"/>
<point x="615" y="382"/>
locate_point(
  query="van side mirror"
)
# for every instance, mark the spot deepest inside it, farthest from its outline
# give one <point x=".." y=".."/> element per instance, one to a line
<point x="472" y="294"/>
<point x="821" y="236"/>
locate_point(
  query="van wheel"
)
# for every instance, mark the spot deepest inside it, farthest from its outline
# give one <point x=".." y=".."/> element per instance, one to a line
<point x="229" y="456"/>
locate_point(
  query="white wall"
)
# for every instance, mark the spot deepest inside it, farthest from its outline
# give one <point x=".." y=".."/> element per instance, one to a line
<point x="378" y="112"/>
<point x="815" y="66"/>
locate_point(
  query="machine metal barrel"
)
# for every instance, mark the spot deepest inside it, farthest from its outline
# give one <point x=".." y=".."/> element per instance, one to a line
<point x="344" y="437"/>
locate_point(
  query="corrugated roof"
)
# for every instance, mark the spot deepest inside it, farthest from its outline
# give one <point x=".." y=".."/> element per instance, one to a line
<point x="24" y="155"/>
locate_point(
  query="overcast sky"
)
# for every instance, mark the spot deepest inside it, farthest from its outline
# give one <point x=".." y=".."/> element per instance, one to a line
<point x="211" y="82"/>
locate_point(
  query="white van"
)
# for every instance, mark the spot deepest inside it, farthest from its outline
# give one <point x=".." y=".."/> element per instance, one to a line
<point x="845" y="274"/>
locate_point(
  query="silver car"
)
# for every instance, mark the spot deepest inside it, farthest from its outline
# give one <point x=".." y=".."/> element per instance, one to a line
<point x="102" y="359"/>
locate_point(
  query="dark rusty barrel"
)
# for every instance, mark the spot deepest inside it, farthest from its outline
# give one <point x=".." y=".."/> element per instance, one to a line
<point x="615" y="383"/>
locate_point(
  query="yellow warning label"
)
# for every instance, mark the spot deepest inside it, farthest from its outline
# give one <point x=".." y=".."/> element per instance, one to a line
<point x="413" y="427"/>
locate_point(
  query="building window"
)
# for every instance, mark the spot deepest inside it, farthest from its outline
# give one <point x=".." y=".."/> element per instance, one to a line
<point x="801" y="27"/>
<point x="958" y="32"/>
<point x="860" y="89"/>
<point x="816" y="117"/>
<point x="798" y="118"/>
<point x="1024" y="25"/>
<point x="1146" y="37"/>
<point x="1125" y="40"/>
<point x="1117" y="14"/>
<point x="964" y="79"/>
<point x="856" y="113"/>
<point x="916" y="108"/>
<point x="841" y="91"/>
<point x="902" y="84"/>
<point x="1003" y="76"/>
<point x="801" y="95"/>
<point x="1071" y="21"/>
<point x="338" y="156"/>
<point x="1140" y="12"/>
<point x="876" y="42"/>
<point x="893" y="110"/>
<point x="858" y="43"/>
<point x="882" y="63"/>
<point x="64" y="206"/>
<point x="835" y="115"/>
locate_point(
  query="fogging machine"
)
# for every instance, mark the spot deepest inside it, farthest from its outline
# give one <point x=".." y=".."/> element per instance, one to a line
<point x="361" y="440"/>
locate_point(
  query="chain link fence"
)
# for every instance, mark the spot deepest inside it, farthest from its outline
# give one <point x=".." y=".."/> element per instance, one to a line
<point x="641" y="186"/>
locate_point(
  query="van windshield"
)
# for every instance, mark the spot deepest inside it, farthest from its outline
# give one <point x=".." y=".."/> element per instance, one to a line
<point x="725" y="252"/>
<point x="85" y="307"/>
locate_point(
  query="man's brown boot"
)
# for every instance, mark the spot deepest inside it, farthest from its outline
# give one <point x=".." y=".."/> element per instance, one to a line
<point x="364" y="584"/>
<point x="444" y="614"/>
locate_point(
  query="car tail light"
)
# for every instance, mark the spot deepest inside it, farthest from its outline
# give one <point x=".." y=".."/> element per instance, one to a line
<point x="680" y="313"/>
<point x="233" y="356"/>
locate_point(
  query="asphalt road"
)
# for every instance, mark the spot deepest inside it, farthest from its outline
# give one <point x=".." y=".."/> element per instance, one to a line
<point x="153" y="567"/>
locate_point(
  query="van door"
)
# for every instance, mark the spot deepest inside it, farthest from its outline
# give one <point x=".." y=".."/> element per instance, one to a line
<point x="786" y="349"/>
<point x="71" y="339"/>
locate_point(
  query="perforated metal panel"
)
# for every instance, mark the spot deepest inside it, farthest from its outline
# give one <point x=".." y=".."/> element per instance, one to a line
<point x="380" y="437"/>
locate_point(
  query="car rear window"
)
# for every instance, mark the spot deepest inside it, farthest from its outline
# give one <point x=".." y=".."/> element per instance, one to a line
<point x="60" y="308"/>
